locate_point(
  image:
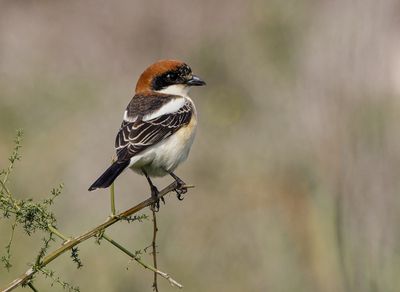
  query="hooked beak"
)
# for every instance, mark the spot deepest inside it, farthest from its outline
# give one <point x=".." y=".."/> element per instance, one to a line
<point x="195" y="81"/>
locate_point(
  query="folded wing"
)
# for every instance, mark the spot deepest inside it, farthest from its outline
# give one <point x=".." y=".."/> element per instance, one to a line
<point x="134" y="137"/>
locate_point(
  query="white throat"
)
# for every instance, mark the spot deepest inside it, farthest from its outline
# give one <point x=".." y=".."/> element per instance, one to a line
<point x="177" y="89"/>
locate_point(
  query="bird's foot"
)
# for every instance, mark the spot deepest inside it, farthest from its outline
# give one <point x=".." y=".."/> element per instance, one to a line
<point x="154" y="194"/>
<point x="180" y="189"/>
<point x="181" y="186"/>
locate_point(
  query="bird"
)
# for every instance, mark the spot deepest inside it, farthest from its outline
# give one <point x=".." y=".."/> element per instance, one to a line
<point x="158" y="127"/>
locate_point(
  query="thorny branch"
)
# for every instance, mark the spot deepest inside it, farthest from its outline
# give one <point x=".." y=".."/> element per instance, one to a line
<point x="154" y="249"/>
<point x="136" y="257"/>
<point x="36" y="216"/>
<point x="69" y="244"/>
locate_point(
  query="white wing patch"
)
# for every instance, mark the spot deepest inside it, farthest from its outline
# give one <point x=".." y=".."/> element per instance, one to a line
<point x="129" y="119"/>
<point x="168" y="108"/>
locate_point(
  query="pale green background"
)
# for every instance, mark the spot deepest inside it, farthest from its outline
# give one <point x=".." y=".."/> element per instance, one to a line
<point x="296" y="162"/>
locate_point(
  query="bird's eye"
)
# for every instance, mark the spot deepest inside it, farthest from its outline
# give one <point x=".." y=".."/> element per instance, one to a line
<point x="172" y="76"/>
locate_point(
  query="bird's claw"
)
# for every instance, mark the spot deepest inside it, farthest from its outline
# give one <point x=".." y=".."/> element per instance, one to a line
<point x="180" y="190"/>
<point x="179" y="196"/>
<point x="155" y="207"/>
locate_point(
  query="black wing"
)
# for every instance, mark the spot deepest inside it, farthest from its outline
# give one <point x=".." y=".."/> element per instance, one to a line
<point x="134" y="137"/>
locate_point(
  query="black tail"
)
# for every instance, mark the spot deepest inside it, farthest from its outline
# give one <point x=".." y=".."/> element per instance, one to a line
<point x="108" y="177"/>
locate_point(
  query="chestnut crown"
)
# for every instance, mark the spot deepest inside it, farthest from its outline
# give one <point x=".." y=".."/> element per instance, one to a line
<point x="167" y="74"/>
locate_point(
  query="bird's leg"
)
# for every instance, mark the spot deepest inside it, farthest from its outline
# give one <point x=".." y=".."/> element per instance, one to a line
<point x="154" y="192"/>
<point x="180" y="189"/>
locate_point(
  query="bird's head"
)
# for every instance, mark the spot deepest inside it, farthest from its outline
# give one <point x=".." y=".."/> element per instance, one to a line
<point x="168" y="76"/>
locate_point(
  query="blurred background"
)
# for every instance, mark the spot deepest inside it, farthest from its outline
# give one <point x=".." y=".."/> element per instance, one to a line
<point x="296" y="160"/>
